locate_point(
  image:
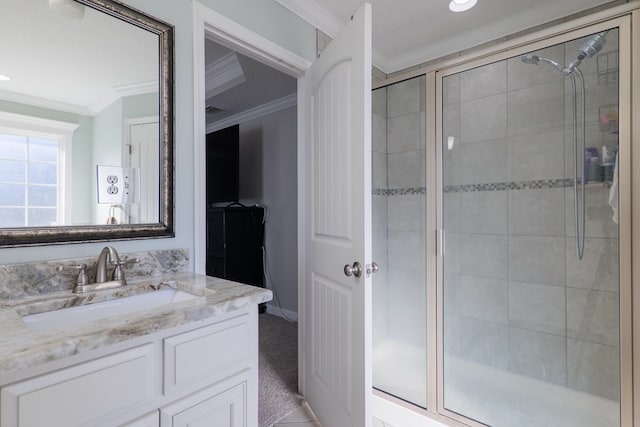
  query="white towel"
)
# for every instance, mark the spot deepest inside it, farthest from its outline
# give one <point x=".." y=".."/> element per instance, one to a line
<point x="613" y="192"/>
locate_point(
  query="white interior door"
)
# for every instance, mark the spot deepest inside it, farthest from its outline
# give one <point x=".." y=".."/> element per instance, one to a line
<point x="144" y="154"/>
<point x="337" y="308"/>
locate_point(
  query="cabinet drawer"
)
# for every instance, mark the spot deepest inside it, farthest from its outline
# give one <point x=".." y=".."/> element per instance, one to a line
<point x="226" y="409"/>
<point x="83" y="395"/>
<point x="205" y="353"/>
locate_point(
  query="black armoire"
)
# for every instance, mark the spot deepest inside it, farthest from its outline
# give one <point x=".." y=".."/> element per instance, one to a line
<point x="235" y="236"/>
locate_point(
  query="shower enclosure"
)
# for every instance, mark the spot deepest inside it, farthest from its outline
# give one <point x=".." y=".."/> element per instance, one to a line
<point x="526" y="188"/>
<point x="399" y="296"/>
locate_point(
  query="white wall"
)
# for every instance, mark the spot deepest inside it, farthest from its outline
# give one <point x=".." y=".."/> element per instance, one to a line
<point x="266" y="18"/>
<point x="108" y="141"/>
<point x="107" y="151"/>
<point x="268" y="177"/>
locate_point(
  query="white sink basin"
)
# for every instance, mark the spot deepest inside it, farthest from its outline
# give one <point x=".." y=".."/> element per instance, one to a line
<point x="78" y="316"/>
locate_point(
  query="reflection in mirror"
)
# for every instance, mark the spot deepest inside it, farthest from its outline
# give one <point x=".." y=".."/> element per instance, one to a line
<point x="89" y="83"/>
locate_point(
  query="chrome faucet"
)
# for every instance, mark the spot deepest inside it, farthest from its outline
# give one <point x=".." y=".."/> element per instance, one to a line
<point x="101" y="269"/>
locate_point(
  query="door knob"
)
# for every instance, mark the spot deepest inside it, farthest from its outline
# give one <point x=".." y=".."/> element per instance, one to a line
<point x="355" y="270"/>
<point x="371" y="268"/>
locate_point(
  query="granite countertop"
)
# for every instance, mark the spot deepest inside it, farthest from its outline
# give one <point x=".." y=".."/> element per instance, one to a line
<point x="22" y="348"/>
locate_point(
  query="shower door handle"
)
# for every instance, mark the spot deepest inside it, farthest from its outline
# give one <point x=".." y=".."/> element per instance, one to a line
<point x="355" y="270"/>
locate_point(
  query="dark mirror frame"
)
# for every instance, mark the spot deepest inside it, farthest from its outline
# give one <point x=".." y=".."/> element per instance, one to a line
<point x="28" y="236"/>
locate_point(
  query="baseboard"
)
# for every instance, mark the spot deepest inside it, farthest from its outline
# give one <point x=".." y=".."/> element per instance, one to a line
<point x="275" y="310"/>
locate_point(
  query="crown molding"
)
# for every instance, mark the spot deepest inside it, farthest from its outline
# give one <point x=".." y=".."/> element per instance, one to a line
<point x="35" y="101"/>
<point x="120" y="92"/>
<point x="315" y="15"/>
<point x="478" y="36"/>
<point x="254" y="113"/>
<point x="223" y="74"/>
<point x="91" y="110"/>
<point x="36" y="123"/>
<point x="325" y="21"/>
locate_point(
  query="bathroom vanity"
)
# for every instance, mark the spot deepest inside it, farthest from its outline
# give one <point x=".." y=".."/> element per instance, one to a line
<point x="191" y="354"/>
<point x="168" y="348"/>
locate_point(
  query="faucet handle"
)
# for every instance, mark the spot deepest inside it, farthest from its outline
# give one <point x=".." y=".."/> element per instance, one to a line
<point x="126" y="261"/>
<point x="118" y="274"/>
<point x="82" y="272"/>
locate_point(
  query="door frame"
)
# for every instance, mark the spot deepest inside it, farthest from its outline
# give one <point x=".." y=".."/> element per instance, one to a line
<point x="126" y="154"/>
<point x="209" y="24"/>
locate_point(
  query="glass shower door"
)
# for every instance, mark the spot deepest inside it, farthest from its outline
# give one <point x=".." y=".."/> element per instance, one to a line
<point x="399" y="288"/>
<point x="531" y="324"/>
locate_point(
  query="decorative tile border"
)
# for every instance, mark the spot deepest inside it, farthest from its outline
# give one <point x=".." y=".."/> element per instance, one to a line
<point x="398" y="191"/>
<point x="492" y="186"/>
<point x="520" y="185"/>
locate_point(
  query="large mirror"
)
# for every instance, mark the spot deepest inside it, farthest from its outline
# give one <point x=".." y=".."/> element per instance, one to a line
<point x="86" y="122"/>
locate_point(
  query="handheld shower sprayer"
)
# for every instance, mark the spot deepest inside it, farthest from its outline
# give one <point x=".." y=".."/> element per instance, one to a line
<point x="535" y="59"/>
<point x="529" y="58"/>
<point x="590" y="47"/>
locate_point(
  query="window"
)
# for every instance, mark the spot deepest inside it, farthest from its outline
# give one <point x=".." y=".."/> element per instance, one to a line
<point x="33" y="155"/>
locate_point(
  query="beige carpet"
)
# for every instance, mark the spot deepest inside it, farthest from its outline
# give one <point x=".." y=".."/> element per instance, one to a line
<point x="278" y="369"/>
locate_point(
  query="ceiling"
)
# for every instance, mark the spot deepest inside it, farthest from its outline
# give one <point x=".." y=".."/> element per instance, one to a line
<point x="236" y="83"/>
<point x="72" y="65"/>
<point x="76" y="65"/>
<point x="409" y="32"/>
<point x="429" y="31"/>
<point x="56" y="67"/>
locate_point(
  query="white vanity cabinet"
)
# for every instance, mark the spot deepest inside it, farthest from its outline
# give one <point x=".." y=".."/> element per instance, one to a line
<point x="201" y="374"/>
<point x="151" y="419"/>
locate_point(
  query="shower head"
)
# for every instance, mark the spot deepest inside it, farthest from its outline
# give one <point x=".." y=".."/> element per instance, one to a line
<point x="589" y="48"/>
<point x="593" y="44"/>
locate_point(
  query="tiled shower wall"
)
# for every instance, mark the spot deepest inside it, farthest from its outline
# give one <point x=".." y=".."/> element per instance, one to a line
<point x="399" y="212"/>
<point x="516" y="296"/>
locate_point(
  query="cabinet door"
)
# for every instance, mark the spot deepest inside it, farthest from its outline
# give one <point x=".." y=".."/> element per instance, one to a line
<point x="226" y="409"/>
<point x="83" y="395"/>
